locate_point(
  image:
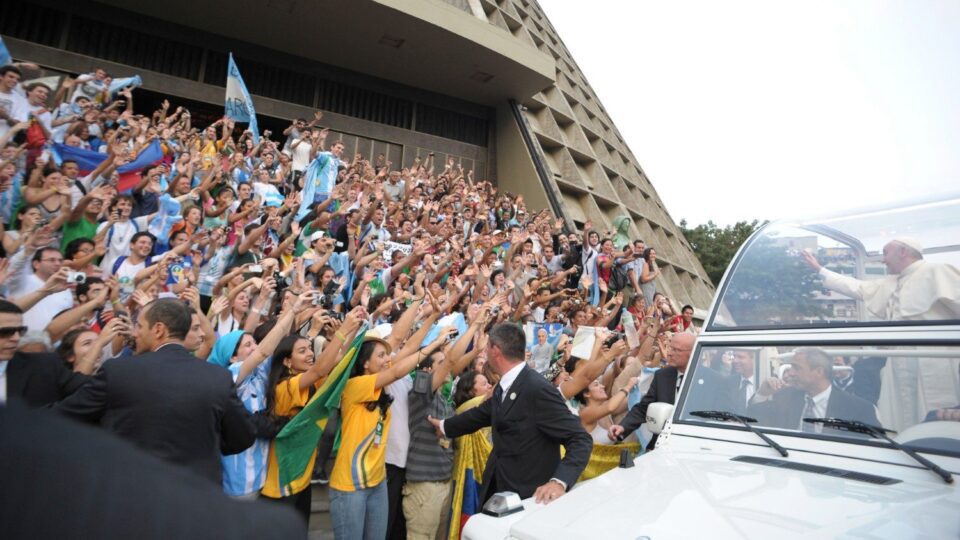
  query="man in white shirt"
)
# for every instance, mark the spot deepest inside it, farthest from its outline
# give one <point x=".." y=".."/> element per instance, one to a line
<point x="127" y="267"/>
<point x="46" y="262"/>
<point x="914" y="289"/>
<point x="301" y="150"/>
<point x="13" y="105"/>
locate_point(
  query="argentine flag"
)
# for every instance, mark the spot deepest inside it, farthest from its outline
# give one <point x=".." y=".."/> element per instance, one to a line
<point x="239" y="105"/>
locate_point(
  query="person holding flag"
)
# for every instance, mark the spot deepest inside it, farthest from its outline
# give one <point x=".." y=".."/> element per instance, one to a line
<point x="295" y="381"/>
<point x="358" y="490"/>
<point x="321" y="176"/>
<point x="239" y="105"/>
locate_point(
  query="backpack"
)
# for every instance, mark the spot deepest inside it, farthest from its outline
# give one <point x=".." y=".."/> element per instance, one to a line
<point x="618" y="279"/>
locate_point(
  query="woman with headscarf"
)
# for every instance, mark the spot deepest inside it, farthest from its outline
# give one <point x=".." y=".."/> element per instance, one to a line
<point x="249" y="364"/>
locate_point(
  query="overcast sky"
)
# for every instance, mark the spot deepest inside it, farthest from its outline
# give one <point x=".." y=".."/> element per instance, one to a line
<point x="770" y="109"/>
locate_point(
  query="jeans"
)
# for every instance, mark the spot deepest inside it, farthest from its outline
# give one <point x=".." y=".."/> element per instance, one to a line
<point x="360" y="514"/>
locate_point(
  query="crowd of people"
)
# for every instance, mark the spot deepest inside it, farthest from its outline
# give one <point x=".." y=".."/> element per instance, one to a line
<point x="198" y="307"/>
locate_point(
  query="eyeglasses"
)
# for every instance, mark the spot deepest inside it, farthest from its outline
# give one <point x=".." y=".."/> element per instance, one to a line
<point x="7" y="332"/>
<point x="52" y="260"/>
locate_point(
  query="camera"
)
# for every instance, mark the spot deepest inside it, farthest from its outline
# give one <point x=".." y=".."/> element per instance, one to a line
<point x="255" y="269"/>
<point x="325" y="300"/>
<point x="76" y="277"/>
<point x="335" y="315"/>
<point x="281" y="280"/>
<point x="614" y="337"/>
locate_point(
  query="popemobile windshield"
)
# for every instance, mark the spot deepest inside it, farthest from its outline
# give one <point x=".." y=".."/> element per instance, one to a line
<point x="822" y="399"/>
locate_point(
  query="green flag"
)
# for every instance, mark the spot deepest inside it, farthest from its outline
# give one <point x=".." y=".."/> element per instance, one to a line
<point x="297" y="441"/>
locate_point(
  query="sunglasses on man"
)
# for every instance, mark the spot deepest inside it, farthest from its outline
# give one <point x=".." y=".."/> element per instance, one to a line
<point x="8" y="331"/>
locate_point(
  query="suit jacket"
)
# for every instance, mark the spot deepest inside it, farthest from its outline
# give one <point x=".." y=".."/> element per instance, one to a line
<point x="170" y="404"/>
<point x="786" y="407"/>
<point x="529" y="426"/>
<point x="714" y="392"/>
<point x="115" y="490"/>
<point x="39" y="379"/>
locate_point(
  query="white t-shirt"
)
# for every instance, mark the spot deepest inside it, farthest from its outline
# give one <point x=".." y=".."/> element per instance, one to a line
<point x="118" y="240"/>
<point x="398" y="439"/>
<point x="39" y="316"/>
<point x="300" y="155"/>
<point x="126" y="273"/>
<point x="16" y="106"/>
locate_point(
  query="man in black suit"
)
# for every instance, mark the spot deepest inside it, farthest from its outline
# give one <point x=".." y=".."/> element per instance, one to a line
<point x="62" y="479"/>
<point x="663" y="389"/>
<point x="530" y="421"/>
<point x="37" y="379"/>
<point x="165" y="400"/>
<point x="715" y="394"/>
<point x="811" y="396"/>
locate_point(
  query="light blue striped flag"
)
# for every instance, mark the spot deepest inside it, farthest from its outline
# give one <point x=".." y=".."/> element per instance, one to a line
<point x="119" y="84"/>
<point x="239" y="104"/>
<point x="5" y="57"/>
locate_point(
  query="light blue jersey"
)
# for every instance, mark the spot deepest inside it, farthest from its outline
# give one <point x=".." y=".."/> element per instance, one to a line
<point x="245" y="473"/>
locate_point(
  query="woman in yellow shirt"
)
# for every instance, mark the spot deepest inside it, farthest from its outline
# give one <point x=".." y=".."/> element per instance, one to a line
<point x="358" y="492"/>
<point x="294" y="376"/>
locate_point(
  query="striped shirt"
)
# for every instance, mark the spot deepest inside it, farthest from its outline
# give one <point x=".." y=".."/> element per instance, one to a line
<point x="245" y="473"/>
<point x="427" y="460"/>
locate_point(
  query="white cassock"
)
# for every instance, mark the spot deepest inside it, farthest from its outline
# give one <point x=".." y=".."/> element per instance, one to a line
<point x="924" y="291"/>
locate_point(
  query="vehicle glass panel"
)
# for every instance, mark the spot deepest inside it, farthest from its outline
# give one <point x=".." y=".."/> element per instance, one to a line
<point x="772" y="284"/>
<point x="914" y="391"/>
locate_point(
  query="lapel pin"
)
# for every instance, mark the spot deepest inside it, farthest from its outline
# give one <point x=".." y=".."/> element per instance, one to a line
<point x="513" y="396"/>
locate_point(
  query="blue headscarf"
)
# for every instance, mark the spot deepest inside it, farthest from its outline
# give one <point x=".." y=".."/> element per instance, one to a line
<point x="224" y="348"/>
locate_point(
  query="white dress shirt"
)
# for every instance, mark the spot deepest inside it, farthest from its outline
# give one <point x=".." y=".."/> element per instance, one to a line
<point x="506" y="381"/>
<point x="3" y="380"/>
<point x="819" y="408"/>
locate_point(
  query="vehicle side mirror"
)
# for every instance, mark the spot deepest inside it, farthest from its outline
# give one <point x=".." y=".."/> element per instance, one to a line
<point x="657" y="416"/>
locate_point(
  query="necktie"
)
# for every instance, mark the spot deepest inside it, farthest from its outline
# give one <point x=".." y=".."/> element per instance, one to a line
<point x="809" y="411"/>
<point x="498" y="394"/>
<point x="745" y="392"/>
<point x="679" y="384"/>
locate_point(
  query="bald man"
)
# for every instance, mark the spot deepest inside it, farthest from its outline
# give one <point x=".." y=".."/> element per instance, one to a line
<point x="715" y="394"/>
<point x="914" y="289"/>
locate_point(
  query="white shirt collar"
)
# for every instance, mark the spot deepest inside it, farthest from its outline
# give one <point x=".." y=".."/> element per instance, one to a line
<point x="506" y="381"/>
<point x="822" y="398"/>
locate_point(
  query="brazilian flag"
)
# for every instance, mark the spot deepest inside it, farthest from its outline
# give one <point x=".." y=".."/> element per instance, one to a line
<point x="297" y="441"/>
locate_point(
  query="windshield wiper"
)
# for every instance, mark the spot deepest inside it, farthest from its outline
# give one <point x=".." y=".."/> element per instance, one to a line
<point x="881" y="433"/>
<point x="746" y="421"/>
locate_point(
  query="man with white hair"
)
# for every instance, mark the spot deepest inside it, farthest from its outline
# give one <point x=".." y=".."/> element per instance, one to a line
<point x="913" y="289"/>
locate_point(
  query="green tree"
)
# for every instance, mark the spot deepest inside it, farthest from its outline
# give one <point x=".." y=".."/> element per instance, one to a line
<point x="715" y="246"/>
<point x="772" y="286"/>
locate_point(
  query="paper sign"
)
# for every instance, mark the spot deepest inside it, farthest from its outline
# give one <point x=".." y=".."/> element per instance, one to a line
<point x="583" y="342"/>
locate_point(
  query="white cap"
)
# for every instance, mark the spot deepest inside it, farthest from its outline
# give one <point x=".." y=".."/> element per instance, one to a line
<point x="910" y="242"/>
<point x="316" y="236"/>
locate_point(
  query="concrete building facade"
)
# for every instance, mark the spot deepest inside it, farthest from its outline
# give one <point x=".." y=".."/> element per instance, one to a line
<point x="489" y="83"/>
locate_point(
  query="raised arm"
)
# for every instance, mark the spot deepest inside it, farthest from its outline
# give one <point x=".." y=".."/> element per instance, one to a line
<point x="331" y="352"/>
<point x="593" y="413"/>
<point x="405" y="365"/>
<point x="269" y="344"/>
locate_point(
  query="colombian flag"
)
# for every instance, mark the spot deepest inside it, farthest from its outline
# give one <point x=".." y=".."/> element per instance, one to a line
<point x="297" y="441"/>
<point x="88" y="160"/>
<point x="468" y="464"/>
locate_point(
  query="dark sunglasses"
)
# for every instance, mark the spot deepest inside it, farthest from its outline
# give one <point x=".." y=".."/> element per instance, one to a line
<point x="9" y="331"/>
